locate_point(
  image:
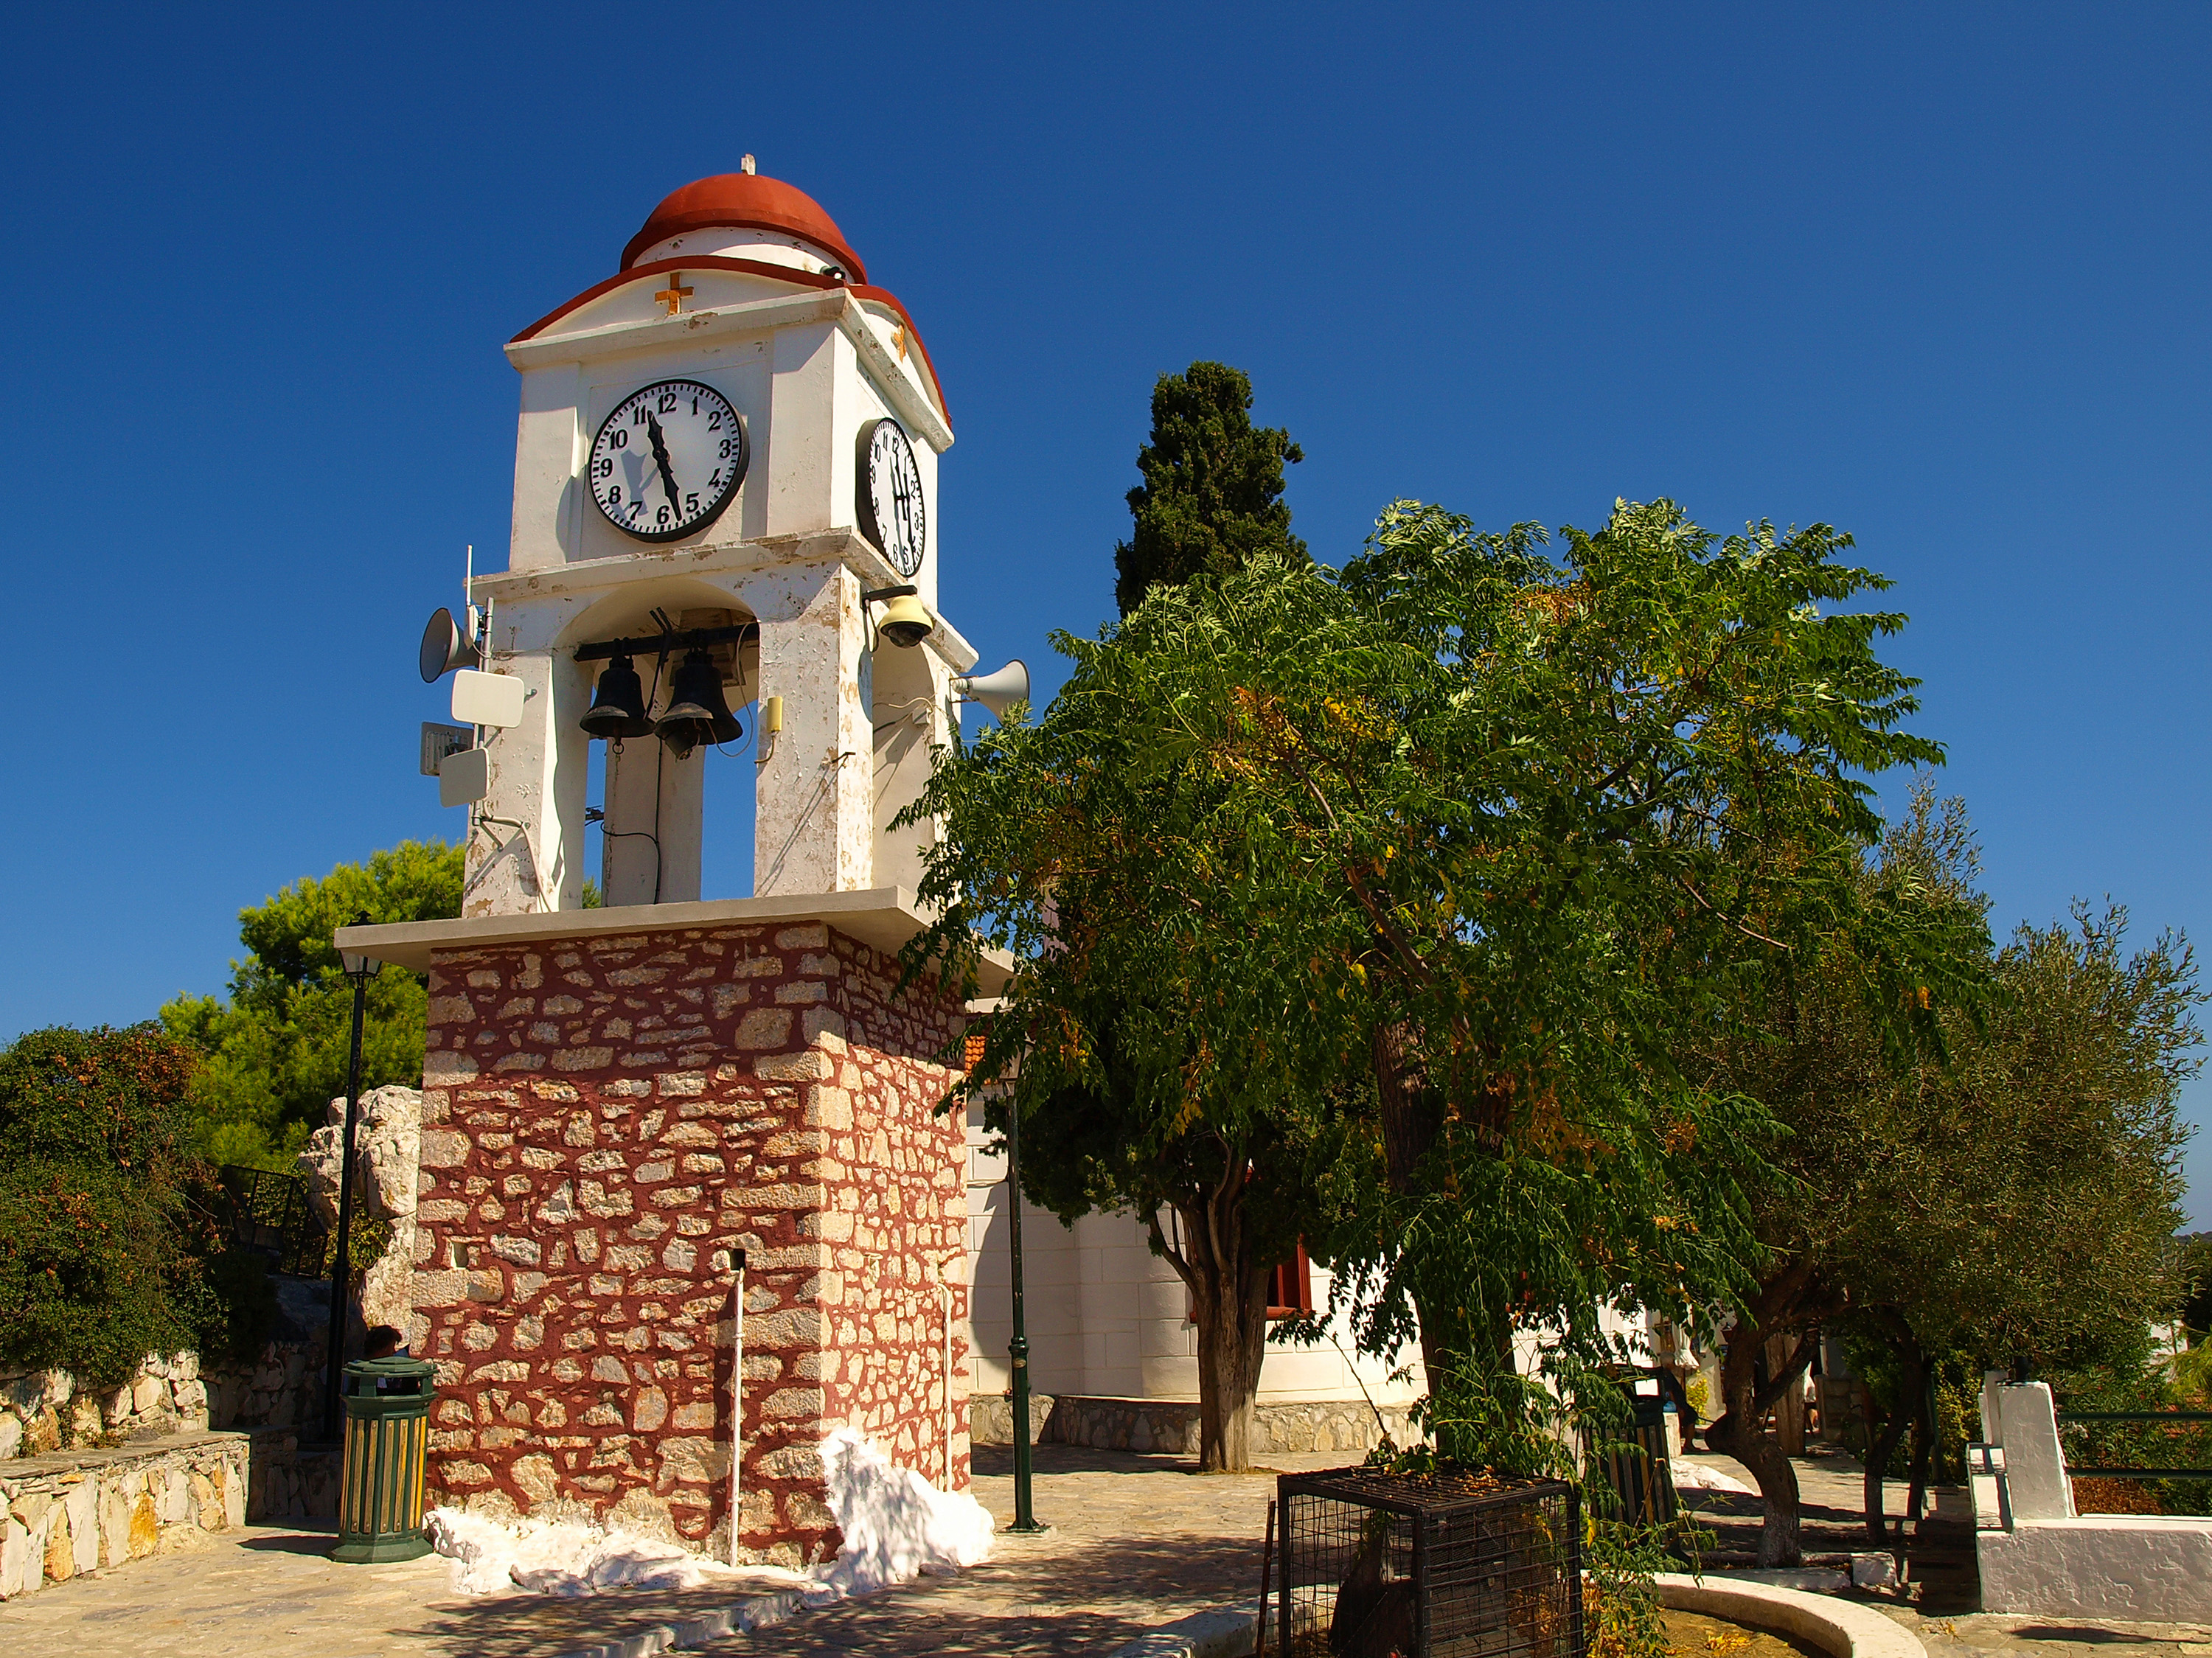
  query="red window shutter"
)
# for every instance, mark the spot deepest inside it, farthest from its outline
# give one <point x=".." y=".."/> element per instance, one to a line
<point x="1290" y="1292"/>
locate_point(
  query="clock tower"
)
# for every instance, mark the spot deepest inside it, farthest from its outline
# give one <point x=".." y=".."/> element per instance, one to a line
<point x="687" y="1204"/>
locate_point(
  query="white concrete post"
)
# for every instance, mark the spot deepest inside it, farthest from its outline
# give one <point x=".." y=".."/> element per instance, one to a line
<point x="814" y="827"/>
<point x="1992" y="1424"/>
<point x="517" y="860"/>
<point x="650" y="841"/>
<point x="912" y="716"/>
<point x="2035" y="1464"/>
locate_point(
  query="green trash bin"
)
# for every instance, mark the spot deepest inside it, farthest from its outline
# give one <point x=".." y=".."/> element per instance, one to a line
<point x="387" y="1435"/>
<point x="1634" y="1462"/>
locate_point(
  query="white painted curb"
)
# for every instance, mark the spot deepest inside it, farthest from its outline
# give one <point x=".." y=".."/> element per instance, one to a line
<point x="1839" y="1627"/>
<point x="759" y="1613"/>
<point x="1225" y="1632"/>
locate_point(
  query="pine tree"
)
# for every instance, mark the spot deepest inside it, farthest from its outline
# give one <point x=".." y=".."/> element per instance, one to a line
<point x="1211" y="498"/>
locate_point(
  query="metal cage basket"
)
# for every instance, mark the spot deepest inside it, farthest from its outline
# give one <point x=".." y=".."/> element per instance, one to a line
<point x="1428" y="1566"/>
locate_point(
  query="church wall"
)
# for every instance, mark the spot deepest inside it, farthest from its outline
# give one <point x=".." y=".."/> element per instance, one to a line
<point x="1108" y="1319"/>
<point x="605" y="1121"/>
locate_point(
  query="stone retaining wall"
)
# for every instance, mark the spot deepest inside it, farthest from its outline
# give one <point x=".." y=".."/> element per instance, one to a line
<point x="606" y="1120"/>
<point x="1172" y="1425"/>
<point x="72" y="1512"/>
<point x="286" y="1481"/>
<point x="43" y="1411"/>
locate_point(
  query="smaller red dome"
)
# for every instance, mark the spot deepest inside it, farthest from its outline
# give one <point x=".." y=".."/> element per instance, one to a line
<point x="746" y="201"/>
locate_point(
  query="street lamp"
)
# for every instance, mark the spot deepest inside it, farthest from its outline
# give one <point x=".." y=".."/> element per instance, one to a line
<point x="360" y="969"/>
<point x="1018" y="1351"/>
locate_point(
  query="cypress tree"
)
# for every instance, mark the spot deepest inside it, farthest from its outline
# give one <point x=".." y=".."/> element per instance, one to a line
<point x="1211" y="498"/>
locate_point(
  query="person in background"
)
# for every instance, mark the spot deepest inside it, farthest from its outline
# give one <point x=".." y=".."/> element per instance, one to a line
<point x="383" y="1342"/>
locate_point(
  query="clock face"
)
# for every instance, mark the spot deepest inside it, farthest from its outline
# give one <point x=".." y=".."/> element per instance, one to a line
<point x="668" y="459"/>
<point x="891" y="511"/>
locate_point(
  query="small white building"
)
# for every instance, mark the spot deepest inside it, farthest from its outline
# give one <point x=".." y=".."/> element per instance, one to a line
<point x="1112" y="1345"/>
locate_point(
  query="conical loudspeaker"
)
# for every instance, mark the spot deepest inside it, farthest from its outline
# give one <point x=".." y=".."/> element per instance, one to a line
<point x="619" y="704"/>
<point x="697" y="712"/>
<point x="997" y="691"/>
<point x="446" y="646"/>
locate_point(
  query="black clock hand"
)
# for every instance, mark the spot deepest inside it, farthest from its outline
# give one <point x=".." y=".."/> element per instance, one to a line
<point x="660" y="456"/>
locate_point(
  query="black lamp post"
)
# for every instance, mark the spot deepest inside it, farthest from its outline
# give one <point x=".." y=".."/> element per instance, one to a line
<point x="360" y="969"/>
<point x="1018" y="1351"/>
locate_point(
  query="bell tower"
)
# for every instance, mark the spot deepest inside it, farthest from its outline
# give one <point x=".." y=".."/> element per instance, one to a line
<point x="686" y="1202"/>
<point x="739" y="499"/>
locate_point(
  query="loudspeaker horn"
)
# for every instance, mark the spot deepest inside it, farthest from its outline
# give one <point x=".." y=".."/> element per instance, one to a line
<point x="997" y="691"/>
<point x="446" y="646"/>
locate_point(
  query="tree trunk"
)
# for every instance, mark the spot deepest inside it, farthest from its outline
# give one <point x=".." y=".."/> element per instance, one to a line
<point x="1229" y="1303"/>
<point x="1912" y="1384"/>
<point x="1737" y="1434"/>
<point x="1412" y="1118"/>
<point x="1232" y="1344"/>
<point x="1752" y="1383"/>
<point x="1790" y="1408"/>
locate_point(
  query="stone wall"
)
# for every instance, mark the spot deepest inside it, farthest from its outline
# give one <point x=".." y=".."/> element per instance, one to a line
<point x="606" y="1123"/>
<point x="1171" y="1425"/>
<point x="72" y="1512"/>
<point x="42" y="1412"/>
<point x="285" y="1481"/>
<point x="387" y="1143"/>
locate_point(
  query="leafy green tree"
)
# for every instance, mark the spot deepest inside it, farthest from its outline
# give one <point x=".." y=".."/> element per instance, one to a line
<point x="2193" y="1281"/>
<point x="98" y="1265"/>
<point x="274" y="1055"/>
<point x="1119" y="1133"/>
<point x="1474" y="835"/>
<point x="2006" y="1185"/>
<point x="1211" y="498"/>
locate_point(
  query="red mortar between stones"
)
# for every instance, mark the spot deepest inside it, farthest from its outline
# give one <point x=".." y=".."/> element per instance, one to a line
<point x="604" y="1120"/>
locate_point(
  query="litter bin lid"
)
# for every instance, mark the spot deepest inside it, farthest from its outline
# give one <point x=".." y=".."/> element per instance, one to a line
<point x="396" y="1375"/>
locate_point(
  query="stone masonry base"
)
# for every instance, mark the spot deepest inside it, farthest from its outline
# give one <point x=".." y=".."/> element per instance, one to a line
<point x="1171" y="1425"/>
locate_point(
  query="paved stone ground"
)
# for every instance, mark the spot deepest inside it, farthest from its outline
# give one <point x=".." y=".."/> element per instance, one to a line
<point x="1137" y="1540"/>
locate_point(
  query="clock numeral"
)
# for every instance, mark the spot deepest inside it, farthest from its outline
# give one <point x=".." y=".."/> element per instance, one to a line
<point x="667" y="401"/>
<point x="660" y="516"/>
<point x="604" y="467"/>
<point x="618" y="439"/>
<point x="715" y="481"/>
<point x="614" y="494"/>
<point x="691" y="502"/>
<point x="713" y="416"/>
<point x="729" y="447"/>
<point x="636" y="506"/>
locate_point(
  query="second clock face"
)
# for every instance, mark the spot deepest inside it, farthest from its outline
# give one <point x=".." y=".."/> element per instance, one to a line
<point x="667" y="460"/>
<point x="893" y="514"/>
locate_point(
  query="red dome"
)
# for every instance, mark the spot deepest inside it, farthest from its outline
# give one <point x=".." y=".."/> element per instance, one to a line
<point x="746" y="201"/>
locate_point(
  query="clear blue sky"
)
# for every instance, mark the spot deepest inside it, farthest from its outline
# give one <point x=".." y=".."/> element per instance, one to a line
<point x="1936" y="275"/>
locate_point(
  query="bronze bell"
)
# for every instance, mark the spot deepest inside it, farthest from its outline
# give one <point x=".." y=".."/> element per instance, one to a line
<point x="697" y="712"/>
<point x="619" y="704"/>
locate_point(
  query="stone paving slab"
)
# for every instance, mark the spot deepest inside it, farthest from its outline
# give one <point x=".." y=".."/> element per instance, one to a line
<point x="1137" y="1542"/>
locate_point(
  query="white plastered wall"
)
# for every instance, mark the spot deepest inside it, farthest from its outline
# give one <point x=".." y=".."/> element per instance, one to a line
<point x="1107" y="1318"/>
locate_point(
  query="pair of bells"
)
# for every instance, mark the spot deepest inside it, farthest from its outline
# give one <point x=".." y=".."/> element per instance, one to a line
<point x="696" y="713"/>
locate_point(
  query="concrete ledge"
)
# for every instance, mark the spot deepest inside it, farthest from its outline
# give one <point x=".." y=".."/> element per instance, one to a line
<point x="2147" y="1568"/>
<point x="883" y="918"/>
<point x="1838" y="1627"/>
<point x="1171" y="1425"/>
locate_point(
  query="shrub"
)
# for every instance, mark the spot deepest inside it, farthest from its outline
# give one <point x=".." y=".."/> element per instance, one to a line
<point x="112" y="1244"/>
